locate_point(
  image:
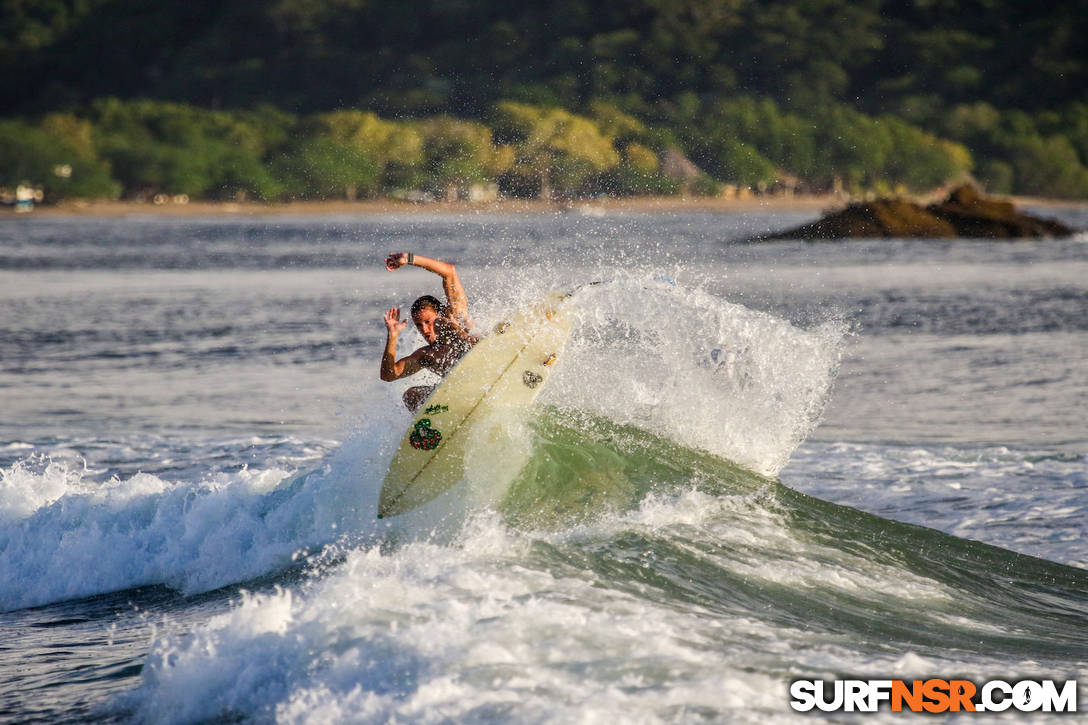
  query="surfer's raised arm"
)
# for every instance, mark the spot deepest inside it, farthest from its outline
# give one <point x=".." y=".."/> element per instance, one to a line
<point x="391" y="368"/>
<point x="451" y="283"/>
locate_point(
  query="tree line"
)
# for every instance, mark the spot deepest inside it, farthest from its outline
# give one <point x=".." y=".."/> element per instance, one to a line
<point x="875" y="93"/>
<point x="142" y="148"/>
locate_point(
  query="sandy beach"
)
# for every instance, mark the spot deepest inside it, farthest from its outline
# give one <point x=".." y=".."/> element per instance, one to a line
<point x="394" y="206"/>
<point x="815" y="203"/>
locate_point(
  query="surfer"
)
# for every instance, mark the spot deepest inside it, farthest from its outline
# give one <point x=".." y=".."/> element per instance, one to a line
<point x="444" y="327"/>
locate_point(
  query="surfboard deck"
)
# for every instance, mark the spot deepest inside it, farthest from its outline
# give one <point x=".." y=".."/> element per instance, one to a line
<point x="507" y="368"/>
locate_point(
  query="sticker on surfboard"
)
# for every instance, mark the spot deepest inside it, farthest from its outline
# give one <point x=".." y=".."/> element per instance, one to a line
<point x="424" y="437"/>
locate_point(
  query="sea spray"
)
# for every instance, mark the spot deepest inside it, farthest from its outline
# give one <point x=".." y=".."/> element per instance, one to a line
<point x="28" y="485"/>
<point x="706" y="372"/>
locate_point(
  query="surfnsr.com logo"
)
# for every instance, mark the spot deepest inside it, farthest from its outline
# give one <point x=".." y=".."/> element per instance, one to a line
<point x="933" y="695"/>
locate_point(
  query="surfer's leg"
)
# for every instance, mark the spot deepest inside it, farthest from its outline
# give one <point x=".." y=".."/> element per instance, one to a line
<point x="414" y="397"/>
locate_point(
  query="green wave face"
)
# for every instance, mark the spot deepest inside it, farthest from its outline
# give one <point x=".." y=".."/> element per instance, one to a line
<point x="655" y="520"/>
<point x="584" y="467"/>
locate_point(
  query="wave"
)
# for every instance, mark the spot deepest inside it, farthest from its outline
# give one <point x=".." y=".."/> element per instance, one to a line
<point x="621" y="574"/>
<point x="64" y="535"/>
<point x="625" y="576"/>
<point x="646" y="355"/>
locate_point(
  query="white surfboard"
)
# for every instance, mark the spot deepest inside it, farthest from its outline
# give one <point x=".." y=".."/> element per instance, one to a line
<point x="508" y="368"/>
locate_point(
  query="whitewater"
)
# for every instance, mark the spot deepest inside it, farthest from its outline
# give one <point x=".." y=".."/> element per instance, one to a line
<point x="754" y="464"/>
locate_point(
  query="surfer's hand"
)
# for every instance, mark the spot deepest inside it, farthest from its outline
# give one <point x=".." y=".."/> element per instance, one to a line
<point x="393" y="323"/>
<point x="396" y="260"/>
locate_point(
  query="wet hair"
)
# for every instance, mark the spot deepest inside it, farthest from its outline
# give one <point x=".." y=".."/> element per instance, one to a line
<point x="427" y="301"/>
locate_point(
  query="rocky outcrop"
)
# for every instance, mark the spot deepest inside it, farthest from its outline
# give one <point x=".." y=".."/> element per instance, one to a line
<point x="965" y="213"/>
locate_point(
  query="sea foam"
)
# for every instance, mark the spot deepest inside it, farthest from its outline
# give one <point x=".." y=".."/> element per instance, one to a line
<point x="513" y="625"/>
<point x="468" y="633"/>
<point x="63" y="536"/>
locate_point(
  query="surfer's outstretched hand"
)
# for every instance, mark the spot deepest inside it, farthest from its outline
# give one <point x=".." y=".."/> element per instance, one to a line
<point x="396" y="260"/>
<point x="393" y="323"/>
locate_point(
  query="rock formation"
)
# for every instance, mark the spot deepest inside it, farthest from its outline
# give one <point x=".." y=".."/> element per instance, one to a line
<point x="965" y="213"/>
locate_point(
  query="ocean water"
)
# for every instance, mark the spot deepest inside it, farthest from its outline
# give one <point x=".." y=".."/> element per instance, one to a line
<point x="755" y="463"/>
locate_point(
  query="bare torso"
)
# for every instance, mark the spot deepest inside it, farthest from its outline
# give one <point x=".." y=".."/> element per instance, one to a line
<point x="440" y="357"/>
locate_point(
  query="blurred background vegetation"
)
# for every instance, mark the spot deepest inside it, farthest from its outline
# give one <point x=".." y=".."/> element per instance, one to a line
<point x="318" y="99"/>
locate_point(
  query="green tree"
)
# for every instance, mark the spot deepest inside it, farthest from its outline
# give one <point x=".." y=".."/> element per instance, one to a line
<point x="396" y="147"/>
<point x="458" y="153"/>
<point x="1074" y="123"/>
<point x="556" y="151"/>
<point x="320" y="167"/>
<point x="729" y="160"/>
<point x="62" y="168"/>
<point x="158" y="147"/>
<point x="1047" y="167"/>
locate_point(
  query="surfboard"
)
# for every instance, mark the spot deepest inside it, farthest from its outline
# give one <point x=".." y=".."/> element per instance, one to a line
<point x="507" y="368"/>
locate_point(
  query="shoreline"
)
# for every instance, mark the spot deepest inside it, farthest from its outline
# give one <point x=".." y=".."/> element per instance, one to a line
<point x="588" y="207"/>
